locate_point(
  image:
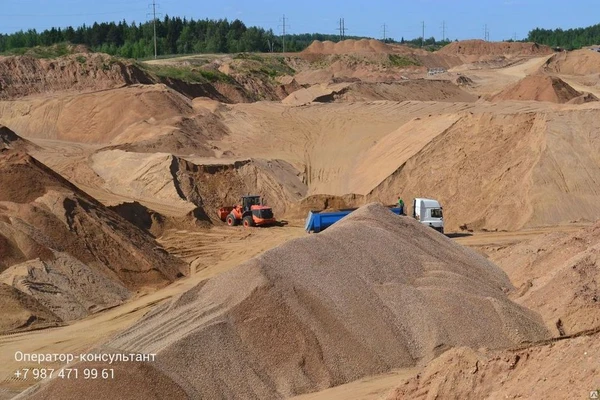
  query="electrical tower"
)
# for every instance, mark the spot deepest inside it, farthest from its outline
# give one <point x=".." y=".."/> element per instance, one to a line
<point x="283" y="26"/>
<point x="154" y="5"/>
<point x="443" y="31"/>
<point x="486" y="33"/>
<point x="384" y="33"/>
<point x="423" y="34"/>
<point x="342" y="29"/>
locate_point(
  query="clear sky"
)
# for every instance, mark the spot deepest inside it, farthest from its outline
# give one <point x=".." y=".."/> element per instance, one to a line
<point x="463" y="19"/>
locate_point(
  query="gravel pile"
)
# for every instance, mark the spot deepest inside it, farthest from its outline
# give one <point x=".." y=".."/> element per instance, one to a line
<point x="374" y="292"/>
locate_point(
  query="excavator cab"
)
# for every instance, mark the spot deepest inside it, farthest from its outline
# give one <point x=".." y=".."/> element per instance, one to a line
<point x="249" y="201"/>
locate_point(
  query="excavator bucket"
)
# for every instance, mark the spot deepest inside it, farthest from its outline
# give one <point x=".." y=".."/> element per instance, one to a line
<point x="223" y="212"/>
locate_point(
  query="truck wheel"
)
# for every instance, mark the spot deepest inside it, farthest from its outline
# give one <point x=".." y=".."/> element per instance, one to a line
<point x="231" y="221"/>
<point x="248" y="221"/>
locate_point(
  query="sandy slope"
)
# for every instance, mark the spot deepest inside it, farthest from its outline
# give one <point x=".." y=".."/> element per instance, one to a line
<point x="564" y="263"/>
<point x="66" y="250"/>
<point x="579" y="62"/>
<point x="566" y="369"/>
<point x="10" y="140"/>
<point x="23" y="312"/>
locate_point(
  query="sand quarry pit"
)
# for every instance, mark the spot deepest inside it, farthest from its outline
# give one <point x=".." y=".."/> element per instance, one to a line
<point x="302" y="317"/>
<point x="117" y="220"/>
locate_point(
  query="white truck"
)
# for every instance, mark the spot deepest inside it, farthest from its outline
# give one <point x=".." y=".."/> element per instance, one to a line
<point x="429" y="212"/>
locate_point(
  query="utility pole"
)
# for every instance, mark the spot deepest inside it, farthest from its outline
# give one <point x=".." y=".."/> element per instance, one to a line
<point x="283" y="26"/>
<point x="384" y="33"/>
<point x="154" y="5"/>
<point x="423" y="34"/>
<point x="154" y="19"/>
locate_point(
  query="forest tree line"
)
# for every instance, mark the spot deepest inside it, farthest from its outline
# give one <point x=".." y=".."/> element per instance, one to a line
<point x="184" y="36"/>
<point x="570" y="39"/>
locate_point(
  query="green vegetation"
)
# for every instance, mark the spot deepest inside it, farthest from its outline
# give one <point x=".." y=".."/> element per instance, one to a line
<point x="569" y="39"/>
<point x="401" y="61"/>
<point x="57" y="50"/>
<point x="186" y="74"/>
<point x="269" y="65"/>
<point x="248" y="56"/>
<point x="430" y="44"/>
<point x="81" y="59"/>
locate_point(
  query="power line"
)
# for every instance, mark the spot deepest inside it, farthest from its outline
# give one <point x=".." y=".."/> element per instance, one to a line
<point x="283" y="26"/>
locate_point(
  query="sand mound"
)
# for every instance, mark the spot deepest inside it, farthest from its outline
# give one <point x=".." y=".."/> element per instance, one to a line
<point x="565" y="369"/>
<point x="71" y="244"/>
<point x="506" y="171"/>
<point x="322" y="93"/>
<point x="464" y="81"/>
<point x="187" y="183"/>
<point x="23" y="312"/>
<point x="154" y="117"/>
<point x="349" y="46"/>
<point x="149" y="176"/>
<point x="539" y="88"/>
<point x="557" y="263"/>
<point x="322" y="202"/>
<point x="579" y="62"/>
<point x="22" y="75"/>
<point x="481" y="48"/>
<point x="374" y="292"/>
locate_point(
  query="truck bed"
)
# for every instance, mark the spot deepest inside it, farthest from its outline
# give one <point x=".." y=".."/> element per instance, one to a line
<point x="317" y="221"/>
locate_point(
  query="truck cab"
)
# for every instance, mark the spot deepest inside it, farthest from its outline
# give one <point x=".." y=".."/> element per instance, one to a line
<point x="429" y="212"/>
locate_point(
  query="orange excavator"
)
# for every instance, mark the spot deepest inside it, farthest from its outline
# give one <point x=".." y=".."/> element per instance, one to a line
<point x="251" y="212"/>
